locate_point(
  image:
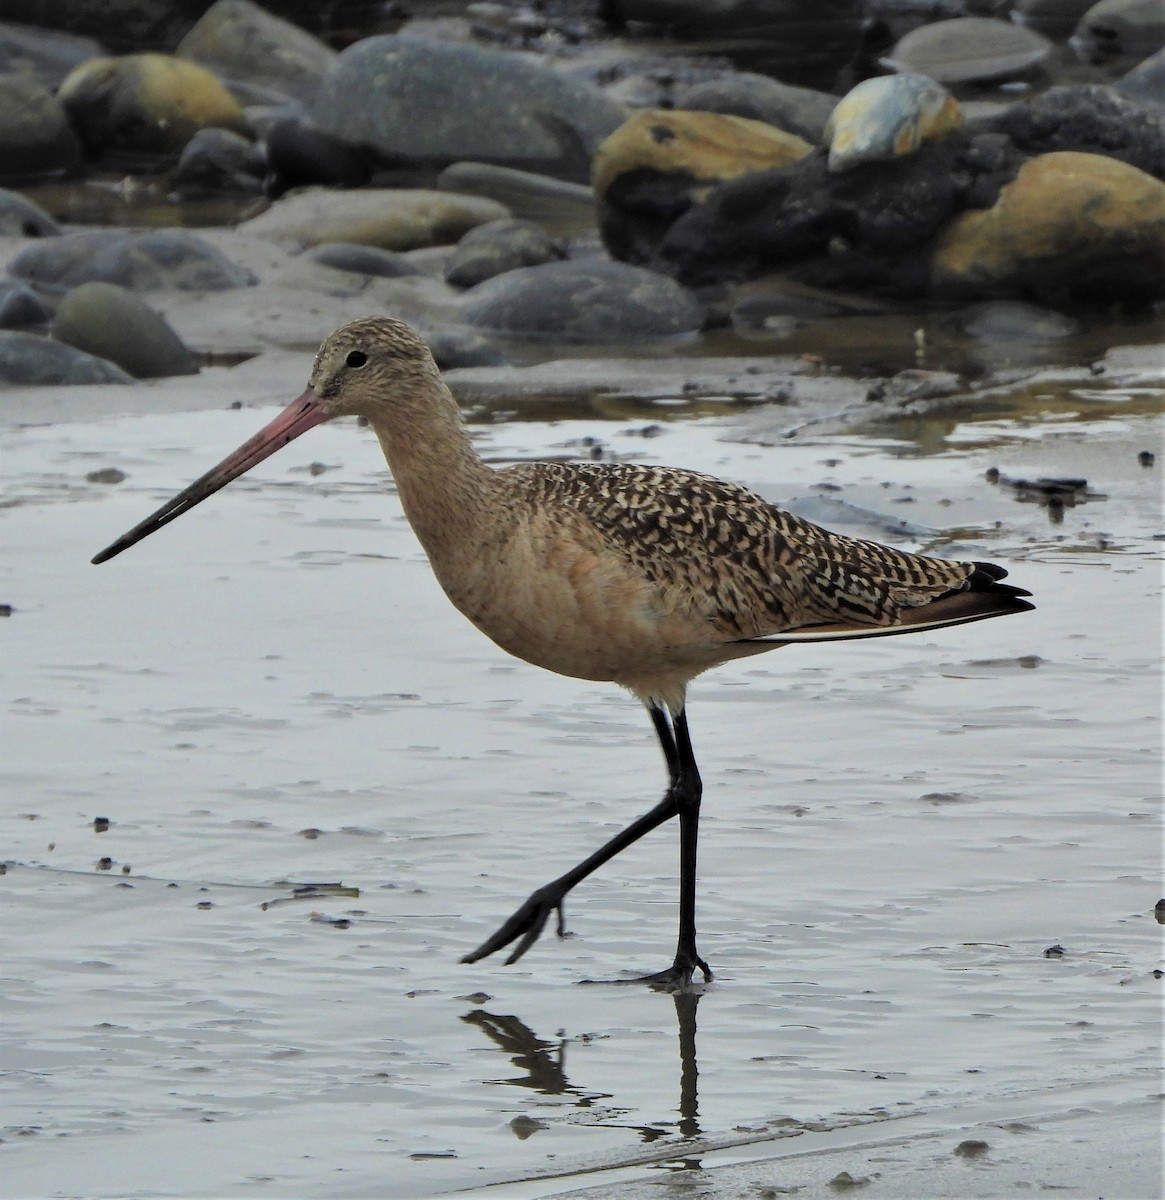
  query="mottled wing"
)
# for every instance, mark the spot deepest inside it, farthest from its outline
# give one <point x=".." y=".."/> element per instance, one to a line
<point x="753" y="571"/>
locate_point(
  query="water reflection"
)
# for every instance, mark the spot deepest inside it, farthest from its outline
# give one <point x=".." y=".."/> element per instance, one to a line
<point x="542" y="1065"/>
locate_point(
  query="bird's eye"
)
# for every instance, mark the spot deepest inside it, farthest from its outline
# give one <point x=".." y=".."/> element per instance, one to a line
<point x="356" y="358"/>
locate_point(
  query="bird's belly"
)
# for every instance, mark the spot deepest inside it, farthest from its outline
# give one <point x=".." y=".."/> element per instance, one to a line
<point x="583" y="618"/>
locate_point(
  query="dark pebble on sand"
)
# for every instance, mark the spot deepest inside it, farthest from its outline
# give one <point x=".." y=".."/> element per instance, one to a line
<point x="971" y="1148"/>
<point x="1146" y="458"/>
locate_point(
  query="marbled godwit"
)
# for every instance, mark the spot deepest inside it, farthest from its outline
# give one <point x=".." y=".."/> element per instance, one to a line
<point x="642" y="576"/>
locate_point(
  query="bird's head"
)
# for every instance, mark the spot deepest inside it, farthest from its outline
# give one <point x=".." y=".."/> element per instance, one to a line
<point x="367" y="368"/>
<point x="371" y="365"/>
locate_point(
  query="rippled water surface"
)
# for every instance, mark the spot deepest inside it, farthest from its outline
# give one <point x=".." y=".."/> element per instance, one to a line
<point x="273" y="692"/>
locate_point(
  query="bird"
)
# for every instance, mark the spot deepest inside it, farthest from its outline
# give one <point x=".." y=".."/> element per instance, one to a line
<point x="638" y="575"/>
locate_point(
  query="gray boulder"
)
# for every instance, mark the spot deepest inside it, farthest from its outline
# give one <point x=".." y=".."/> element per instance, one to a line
<point x="28" y="359"/>
<point x="155" y="261"/>
<point x="36" y="140"/>
<point x="585" y="301"/>
<point x="496" y="247"/>
<point x="433" y="103"/>
<point x="21" y="307"/>
<point x="802" y="111"/>
<point x="107" y="321"/>
<point x="20" y="217"/>
<point x="238" y="40"/>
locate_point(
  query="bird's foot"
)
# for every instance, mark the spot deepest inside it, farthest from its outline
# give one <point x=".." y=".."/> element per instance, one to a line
<point x="676" y="978"/>
<point x="527" y="923"/>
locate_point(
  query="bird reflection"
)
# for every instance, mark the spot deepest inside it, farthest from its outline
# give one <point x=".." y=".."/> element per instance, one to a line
<point x="542" y="1065"/>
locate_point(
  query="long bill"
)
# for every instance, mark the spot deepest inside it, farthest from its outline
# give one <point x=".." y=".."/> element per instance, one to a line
<point x="299" y="416"/>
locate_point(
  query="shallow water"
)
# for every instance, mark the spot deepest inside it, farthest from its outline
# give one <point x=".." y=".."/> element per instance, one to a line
<point x="274" y="692"/>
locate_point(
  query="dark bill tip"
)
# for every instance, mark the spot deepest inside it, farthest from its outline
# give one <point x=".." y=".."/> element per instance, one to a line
<point x="299" y="416"/>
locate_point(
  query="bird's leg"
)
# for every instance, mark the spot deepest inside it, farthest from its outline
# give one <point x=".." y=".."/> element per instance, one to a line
<point x="687" y="790"/>
<point x="530" y="919"/>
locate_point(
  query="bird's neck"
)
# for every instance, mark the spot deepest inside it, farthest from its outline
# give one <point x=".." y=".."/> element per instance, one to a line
<point x="443" y="484"/>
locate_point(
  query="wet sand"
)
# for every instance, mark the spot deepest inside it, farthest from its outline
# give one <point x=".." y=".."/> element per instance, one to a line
<point x="273" y="692"/>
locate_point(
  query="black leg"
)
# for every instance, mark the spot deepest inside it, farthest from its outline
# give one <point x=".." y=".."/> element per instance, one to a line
<point x="688" y="789"/>
<point x="682" y="798"/>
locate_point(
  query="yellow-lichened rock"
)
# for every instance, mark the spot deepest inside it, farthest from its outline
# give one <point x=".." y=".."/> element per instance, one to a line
<point x="148" y="104"/>
<point x="708" y="147"/>
<point x="1065" y="214"/>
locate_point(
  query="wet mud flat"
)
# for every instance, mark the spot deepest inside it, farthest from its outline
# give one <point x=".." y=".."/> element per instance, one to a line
<point x="263" y="787"/>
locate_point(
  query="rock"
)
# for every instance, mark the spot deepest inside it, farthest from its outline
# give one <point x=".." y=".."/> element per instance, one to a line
<point x="29" y="359"/>
<point x="36" y="141"/>
<point x="779" y="309"/>
<point x="1091" y="118"/>
<point x="121" y="25"/>
<point x="217" y="161"/>
<point x="21" y="307"/>
<point x="1072" y="230"/>
<point x="592" y="301"/>
<point x="496" y="247"/>
<point x="432" y="103"/>
<point x="802" y="111"/>
<point x="1145" y="83"/>
<point x="42" y="54"/>
<point x="660" y="163"/>
<point x="1119" y="33"/>
<point x="867" y="226"/>
<point x="524" y="193"/>
<point x="239" y="40"/>
<point x="798" y="41"/>
<point x="301" y="155"/>
<point x="970" y="49"/>
<point x="153" y="261"/>
<point x="392" y="218"/>
<point x="888" y="117"/>
<point x="453" y="348"/>
<point x="110" y="323"/>
<point x="363" y="260"/>
<point x="1053" y="18"/>
<point x="1014" y="321"/>
<point x="20" y="217"/>
<point x="143" y="108"/>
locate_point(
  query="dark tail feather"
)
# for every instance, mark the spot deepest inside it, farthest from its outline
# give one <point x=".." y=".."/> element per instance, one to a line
<point x="985" y="578"/>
